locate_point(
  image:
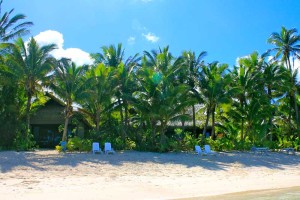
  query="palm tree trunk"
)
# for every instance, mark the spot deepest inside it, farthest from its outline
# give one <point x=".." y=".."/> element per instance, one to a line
<point x="297" y="111"/>
<point x="121" y="110"/>
<point x="271" y="116"/>
<point x="68" y="114"/>
<point x="242" y="130"/>
<point x="213" y="123"/>
<point x="126" y="113"/>
<point x="28" y="105"/>
<point x="194" y="120"/>
<point x="64" y="137"/>
<point x="206" y="124"/>
<point x="153" y="124"/>
<point x="97" y="121"/>
<point x="288" y="62"/>
<point x="162" y="135"/>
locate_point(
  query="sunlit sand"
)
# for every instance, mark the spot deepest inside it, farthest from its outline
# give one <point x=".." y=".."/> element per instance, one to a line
<point x="141" y="175"/>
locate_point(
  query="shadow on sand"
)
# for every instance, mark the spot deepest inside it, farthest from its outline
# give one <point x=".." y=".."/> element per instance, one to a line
<point x="11" y="159"/>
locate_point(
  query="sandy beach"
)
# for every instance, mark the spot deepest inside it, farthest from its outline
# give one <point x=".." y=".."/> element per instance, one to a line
<point x="47" y="174"/>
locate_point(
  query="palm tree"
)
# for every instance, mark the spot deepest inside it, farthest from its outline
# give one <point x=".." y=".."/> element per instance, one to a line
<point x="193" y="65"/>
<point x="67" y="83"/>
<point x="9" y="27"/>
<point x="29" y="65"/>
<point x="275" y="82"/>
<point x="159" y="99"/>
<point x="212" y="83"/>
<point x="98" y="92"/>
<point x="287" y="46"/>
<point x="113" y="56"/>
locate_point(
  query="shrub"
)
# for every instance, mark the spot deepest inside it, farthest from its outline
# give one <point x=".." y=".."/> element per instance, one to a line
<point x="76" y="144"/>
<point x="24" y="141"/>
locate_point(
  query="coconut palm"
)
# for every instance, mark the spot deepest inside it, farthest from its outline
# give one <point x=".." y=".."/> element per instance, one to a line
<point x="10" y="26"/>
<point x="213" y="81"/>
<point x="287" y="47"/>
<point x="159" y="99"/>
<point x="192" y="68"/>
<point x="29" y="65"/>
<point x="113" y="56"/>
<point x="275" y="82"/>
<point x="67" y="83"/>
<point x="98" y="92"/>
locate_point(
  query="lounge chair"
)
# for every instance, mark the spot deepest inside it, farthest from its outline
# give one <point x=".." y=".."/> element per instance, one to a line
<point x="198" y="150"/>
<point x="288" y="150"/>
<point x="260" y="150"/>
<point x="208" y="150"/>
<point x="96" y="148"/>
<point x="108" y="149"/>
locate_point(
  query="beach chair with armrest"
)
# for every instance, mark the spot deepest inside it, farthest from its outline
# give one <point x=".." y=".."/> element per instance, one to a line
<point x="96" y="148"/>
<point x="108" y="149"/>
<point x="198" y="150"/>
<point x="208" y="150"/>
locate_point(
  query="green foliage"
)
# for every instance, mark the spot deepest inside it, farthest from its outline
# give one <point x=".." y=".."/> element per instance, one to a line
<point x="221" y="144"/>
<point x="59" y="148"/>
<point x="78" y="144"/>
<point x="132" y="104"/>
<point x="182" y="141"/>
<point x="24" y="141"/>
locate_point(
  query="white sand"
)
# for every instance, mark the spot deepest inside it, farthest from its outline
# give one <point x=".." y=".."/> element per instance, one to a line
<point x="137" y="175"/>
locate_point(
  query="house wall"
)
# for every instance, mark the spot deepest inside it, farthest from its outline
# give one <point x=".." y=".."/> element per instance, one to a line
<point x="51" y="113"/>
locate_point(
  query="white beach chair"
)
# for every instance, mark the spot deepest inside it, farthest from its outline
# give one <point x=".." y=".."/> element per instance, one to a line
<point x="198" y="150"/>
<point x="208" y="150"/>
<point x="96" y="148"/>
<point x="108" y="149"/>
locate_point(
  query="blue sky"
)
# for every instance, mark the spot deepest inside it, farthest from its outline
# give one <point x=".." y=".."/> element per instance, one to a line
<point x="226" y="29"/>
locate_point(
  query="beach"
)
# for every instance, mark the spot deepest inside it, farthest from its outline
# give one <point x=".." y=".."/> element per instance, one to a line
<point x="47" y="174"/>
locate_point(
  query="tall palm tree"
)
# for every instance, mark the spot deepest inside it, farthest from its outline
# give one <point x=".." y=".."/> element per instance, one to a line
<point x="159" y="99"/>
<point x="287" y="46"/>
<point x="67" y="83"/>
<point x="98" y="92"/>
<point x="275" y="82"/>
<point x="193" y="65"/>
<point x="10" y="26"/>
<point x="29" y="65"/>
<point x="213" y="81"/>
<point x="113" y="56"/>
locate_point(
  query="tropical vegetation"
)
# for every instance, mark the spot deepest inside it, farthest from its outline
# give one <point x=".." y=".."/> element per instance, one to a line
<point x="153" y="101"/>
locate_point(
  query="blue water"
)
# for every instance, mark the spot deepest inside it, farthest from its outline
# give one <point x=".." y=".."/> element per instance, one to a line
<point x="278" y="194"/>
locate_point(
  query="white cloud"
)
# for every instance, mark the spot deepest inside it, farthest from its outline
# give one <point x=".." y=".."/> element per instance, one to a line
<point x="297" y="66"/>
<point x="77" y="55"/>
<point x="131" y="40"/>
<point x="151" y="37"/>
<point x="50" y="37"/>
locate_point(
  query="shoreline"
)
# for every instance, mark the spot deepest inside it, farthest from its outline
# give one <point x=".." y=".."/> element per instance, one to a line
<point x="291" y="192"/>
<point x="144" y="175"/>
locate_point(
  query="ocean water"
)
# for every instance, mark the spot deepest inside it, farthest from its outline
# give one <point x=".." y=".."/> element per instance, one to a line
<point x="281" y="194"/>
<point x="276" y="194"/>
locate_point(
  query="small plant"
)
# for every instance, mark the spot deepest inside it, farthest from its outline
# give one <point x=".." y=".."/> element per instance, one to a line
<point x="59" y="148"/>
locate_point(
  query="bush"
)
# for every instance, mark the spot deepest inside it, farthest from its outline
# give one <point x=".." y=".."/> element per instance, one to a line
<point x="182" y="141"/>
<point x="59" y="148"/>
<point x="24" y="141"/>
<point x="76" y="144"/>
<point x="221" y="144"/>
